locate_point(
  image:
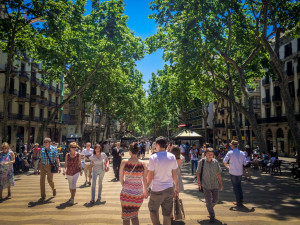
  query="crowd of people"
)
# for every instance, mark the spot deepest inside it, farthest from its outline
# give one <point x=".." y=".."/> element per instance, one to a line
<point x="160" y="179"/>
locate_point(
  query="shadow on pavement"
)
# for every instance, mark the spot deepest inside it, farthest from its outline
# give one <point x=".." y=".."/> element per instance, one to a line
<point x="279" y="193"/>
<point x="4" y="199"/>
<point x="89" y="205"/>
<point x="84" y="186"/>
<point x="33" y="204"/>
<point x="217" y="222"/>
<point x="242" y="209"/>
<point x="65" y="205"/>
<point x="177" y="222"/>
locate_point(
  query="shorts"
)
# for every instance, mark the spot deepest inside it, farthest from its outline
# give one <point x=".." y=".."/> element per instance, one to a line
<point x="162" y="198"/>
<point x="86" y="169"/>
<point x="73" y="180"/>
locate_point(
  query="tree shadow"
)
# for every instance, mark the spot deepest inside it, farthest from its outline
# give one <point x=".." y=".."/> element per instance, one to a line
<point x="33" y="204"/>
<point x="217" y="222"/>
<point x="90" y="205"/>
<point x="266" y="191"/>
<point x="65" y="205"/>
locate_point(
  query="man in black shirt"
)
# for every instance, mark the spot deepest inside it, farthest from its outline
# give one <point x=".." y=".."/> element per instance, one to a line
<point x="117" y="154"/>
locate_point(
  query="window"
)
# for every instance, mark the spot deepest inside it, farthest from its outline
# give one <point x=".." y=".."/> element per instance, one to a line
<point x="31" y="113"/>
<point x="278" y="111"/>
<point x="11" y="85"/>
<point x="22" y="67"/>
<point x="50" y="98"/>
<point x="288" y="50"/>
<point x="42" y="93"/>
<point x="21" y="108"/>
<point x="289" y="68"/>
<point x="49" y="114"/>
<point x="256" y="102"/>
<point x="292" y="89"/>
<point x="268" y="113"/>
<point x="277" y="91"/>
<point x="41" y="114"/>
<point x="56" y="100"/>
<point x="33" y="91"/>
<point x="22" y="89"/>
<point x="268" y="95"/>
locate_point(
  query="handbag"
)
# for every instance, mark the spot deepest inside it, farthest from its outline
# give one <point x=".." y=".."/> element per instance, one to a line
<point x="201" y="173"/>
<point x="54" y="166"/>
<point x="178" y="209"/>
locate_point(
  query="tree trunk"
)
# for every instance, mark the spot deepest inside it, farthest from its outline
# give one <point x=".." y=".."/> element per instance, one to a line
<point x="214" y="124"/>
<point x="79" y="115"/>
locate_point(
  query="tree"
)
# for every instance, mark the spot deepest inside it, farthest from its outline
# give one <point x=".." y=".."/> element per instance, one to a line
<point x="17" y="34"/>
<point x="86" y="49"/>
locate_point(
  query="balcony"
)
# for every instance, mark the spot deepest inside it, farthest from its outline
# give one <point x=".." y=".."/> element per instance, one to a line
<point x="266" y="100"/>
<point x="52" y="104"/>
<point x="51" y="88"/>
<point x="276" y="119"/>
<point x="43" y="86"/>
<point x="13" y="71"/>
<point x="219" y="125"/>
<point x="266" y="81"/>
<point x="35" y="81"/>
<point x="23" y="95"/>
<point x="276" y="98"/>
<point x="23" y="76"/>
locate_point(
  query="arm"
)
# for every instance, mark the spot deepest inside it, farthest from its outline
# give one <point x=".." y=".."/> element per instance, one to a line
<point x="66" y="164"/>
<point x="199" y="168"/>
<point x="225" y="161"/>
<point x="91" y="168"/>
<point x="12" y="156"/>
<point x="220" y="182"/>
<point x="80" y="165"/>
<point x="175" y="180"/>
<point x="145" y="181"/>
<point x="121" y="172"/>
<point x="57" y="161"/>
<point x="150" y="177"/>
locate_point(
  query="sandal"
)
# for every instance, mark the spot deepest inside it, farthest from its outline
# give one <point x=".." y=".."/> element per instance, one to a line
<point x="9" y="194"/>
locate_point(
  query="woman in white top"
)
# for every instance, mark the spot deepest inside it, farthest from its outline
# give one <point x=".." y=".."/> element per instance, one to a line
<point x="99" y="164"/>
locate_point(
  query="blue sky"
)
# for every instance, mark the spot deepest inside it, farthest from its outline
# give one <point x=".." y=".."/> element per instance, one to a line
<point x="138" y="12"/>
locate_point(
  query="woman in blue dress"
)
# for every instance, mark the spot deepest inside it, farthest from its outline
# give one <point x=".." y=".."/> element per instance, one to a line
<point x="7" y="159"/>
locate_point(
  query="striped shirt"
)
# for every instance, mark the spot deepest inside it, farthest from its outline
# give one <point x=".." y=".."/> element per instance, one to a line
<point x="52" y="153"/>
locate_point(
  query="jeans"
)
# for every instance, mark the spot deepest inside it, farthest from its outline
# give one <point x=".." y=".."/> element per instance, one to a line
<point x="211" y="198"/>
<point x="116" y="167"/>
<point x="194" y="164"/>
<point x="94" y="177"/>
<point x="237" y="187"/>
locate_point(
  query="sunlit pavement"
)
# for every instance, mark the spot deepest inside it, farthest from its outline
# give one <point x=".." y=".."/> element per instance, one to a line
<point x="269" y="199"/>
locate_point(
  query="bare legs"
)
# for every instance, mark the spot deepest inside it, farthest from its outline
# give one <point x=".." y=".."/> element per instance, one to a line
<point x="134" y="221"/>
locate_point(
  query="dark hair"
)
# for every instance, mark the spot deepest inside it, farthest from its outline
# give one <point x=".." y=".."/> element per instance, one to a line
<point x="134" y="148"/>
<point x="176" y="151"/>
<point x="161" y="141"/>
<point x="96" y="146"/>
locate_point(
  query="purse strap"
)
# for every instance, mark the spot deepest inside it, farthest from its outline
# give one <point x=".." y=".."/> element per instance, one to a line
<point x="201" y="173"/>
<point x="132" y="169"/>
<point x="48" y="156"/>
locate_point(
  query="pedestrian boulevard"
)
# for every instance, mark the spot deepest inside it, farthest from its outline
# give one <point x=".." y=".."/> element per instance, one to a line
<point x="268" y="200"/>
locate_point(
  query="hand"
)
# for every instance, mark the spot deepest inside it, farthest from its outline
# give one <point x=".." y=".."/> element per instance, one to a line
<point x="59" y="169"/>
<point x="199" y="184"/>
<point x="176" y="192"/>
<point x="145" y="194"/>
<point x="80" y="173"/>
<point x="220" y="187"/>
<point x="64" y="173"/>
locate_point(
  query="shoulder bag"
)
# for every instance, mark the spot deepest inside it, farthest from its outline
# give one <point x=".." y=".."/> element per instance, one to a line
<point x="201" y="174"/>
<point x="132" y="170"/>
<point x="54" y="166"/>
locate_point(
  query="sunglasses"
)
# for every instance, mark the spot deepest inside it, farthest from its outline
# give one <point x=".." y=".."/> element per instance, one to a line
<point x="73" y="147"/>
<point x="46" y="142"/>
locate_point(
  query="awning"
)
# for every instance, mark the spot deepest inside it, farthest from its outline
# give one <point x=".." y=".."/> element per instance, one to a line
<point x="188" y="135"/>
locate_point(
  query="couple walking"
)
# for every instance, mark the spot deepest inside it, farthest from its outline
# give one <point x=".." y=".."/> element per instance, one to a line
<point x="136" y="178"/>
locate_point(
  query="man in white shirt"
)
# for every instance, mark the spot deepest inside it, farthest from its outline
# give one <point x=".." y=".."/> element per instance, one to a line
<point x="162" y="171"/>
<point x="86" y="154"/>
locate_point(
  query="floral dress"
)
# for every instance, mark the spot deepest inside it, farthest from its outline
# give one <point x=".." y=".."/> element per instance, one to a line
<point x="6" y="171"/>
<point x="132" y="194"/>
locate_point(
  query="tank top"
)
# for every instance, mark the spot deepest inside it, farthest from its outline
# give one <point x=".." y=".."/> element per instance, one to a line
<point x="73" y="165"/>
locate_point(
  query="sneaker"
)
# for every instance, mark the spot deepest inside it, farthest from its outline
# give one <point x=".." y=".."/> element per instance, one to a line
<point x="212" y="219"/>
<point x="9" y="195"/>
<point x="54" y="192"/>
<point x="99" y="200"/>
<point x="239" y="204"/>
<point x="92" y="202"/>
<point x="71" y="201"/>
<point x="89" y="183"/>
<point x="42" y="199"/>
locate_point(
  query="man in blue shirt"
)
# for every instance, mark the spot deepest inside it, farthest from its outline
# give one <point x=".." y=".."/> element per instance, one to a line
<point x="236" y="160"/>
<point x="49" y="155"/>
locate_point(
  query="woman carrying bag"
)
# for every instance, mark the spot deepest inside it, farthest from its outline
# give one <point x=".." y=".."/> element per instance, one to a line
<point x="133" y="177"/>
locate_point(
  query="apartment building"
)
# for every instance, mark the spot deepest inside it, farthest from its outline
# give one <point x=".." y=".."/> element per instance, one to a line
<point x="225" y="129"/>
<point x="31" y="100"/>
<point x="274" y="121"/>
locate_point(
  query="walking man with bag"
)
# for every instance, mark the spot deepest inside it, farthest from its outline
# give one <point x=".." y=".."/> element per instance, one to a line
<point x="162" y="171"/>
<point x="210" y="181"/>
<point x="236" y="160"/>
<point x="49" y="155"/>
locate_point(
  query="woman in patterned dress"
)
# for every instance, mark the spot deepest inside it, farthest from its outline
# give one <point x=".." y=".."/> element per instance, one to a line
<point x="7" y="158"/>
<point x="74" y="168"/>
<point x="133" y="177"/>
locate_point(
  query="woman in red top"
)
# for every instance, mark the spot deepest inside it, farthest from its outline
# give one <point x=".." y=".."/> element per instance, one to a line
<point x="35" y="157"/>
<point x="74" y="168"/>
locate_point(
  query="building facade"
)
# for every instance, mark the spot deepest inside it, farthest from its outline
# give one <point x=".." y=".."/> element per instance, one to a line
<point x="31" y="100"/>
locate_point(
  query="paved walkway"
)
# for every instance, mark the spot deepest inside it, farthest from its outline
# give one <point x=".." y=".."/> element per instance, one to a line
<point x="269" y="200"/>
